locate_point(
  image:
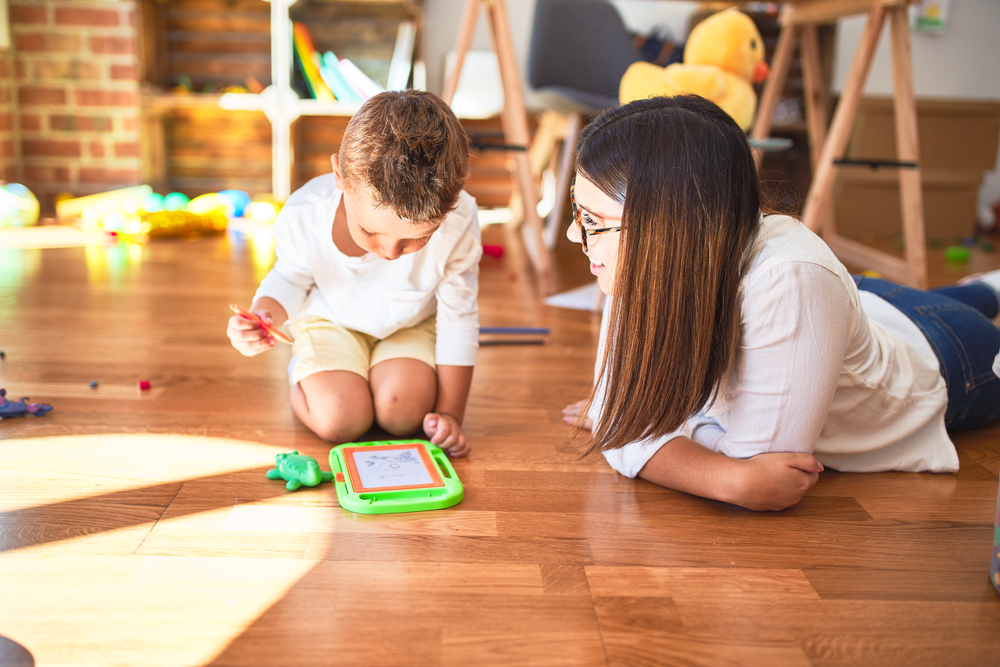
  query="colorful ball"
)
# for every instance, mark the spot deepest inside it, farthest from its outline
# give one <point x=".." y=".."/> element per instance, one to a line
<point x="237" y="200"/>
<point x="208" y="203"/>
<point x="18" y="206"/>
<point x="152" y="203"/>
<point x="175" y="201"/>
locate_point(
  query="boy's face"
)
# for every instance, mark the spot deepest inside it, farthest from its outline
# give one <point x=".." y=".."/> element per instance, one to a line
<point x="377" y="229"/>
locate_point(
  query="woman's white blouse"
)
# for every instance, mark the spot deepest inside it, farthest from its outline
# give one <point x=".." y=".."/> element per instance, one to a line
<point x="821" y="368"/>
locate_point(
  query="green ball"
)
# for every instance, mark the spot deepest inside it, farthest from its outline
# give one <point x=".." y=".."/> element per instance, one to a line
<point x="152" y="202"/>
<point x="175" y="201"/>
<point x="957" y="254"/>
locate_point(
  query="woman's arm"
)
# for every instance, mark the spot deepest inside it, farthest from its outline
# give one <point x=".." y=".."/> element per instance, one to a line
<point x="763" y="482"/>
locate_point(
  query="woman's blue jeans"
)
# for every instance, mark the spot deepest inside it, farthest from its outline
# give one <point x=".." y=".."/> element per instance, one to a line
<point x="956" y="322"/>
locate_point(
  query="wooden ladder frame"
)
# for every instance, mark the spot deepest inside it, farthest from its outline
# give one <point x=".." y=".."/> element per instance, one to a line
<point x="825" y="148"/>
<point x="514" y="120"/>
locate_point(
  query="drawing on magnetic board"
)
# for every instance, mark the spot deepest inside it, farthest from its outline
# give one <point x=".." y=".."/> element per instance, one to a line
<point x="391" y="468"/>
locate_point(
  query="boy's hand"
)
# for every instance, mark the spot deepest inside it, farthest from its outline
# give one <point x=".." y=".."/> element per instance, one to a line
<point x="248" y="337"/>
<point x="775" y="481"/>
<point x="445" y="432"/>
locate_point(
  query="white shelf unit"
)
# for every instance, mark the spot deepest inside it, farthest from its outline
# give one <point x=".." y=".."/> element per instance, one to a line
<point x="279" y="102"/>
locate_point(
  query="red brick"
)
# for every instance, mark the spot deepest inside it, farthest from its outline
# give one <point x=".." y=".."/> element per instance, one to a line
<point x="6" y="96"/>
<point x="87" y="17"/>
<point x="130" y="124"/>
<point x="51" y="148"/>
<point x="97" y="149"/>
<point x="7" y="148"/>
<point x="25" y="15"/>
<point x="81" y="123"/>
<point x="74" y="70"/>
<point x="20" y="70"/>
<point x="34" y="95"/>
<point x="128" y="72"/>
<point x="38" y="42"/>
<point x="112" y="45"/>
<point x="111" y="176"/>
<point x="4" y="68"/>
<point x="126" y="149"/>
<point x="46" y="174"/>
<point x="107" y="98"/>
<point x="6" y="122"/>
<point x="31" y="123"/>
<point x="10" y="173"/>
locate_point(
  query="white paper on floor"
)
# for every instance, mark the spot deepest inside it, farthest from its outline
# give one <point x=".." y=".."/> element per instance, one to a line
<point x="578" y="298"/>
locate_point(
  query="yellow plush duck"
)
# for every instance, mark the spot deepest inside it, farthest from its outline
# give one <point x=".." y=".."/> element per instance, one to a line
<point x="723" y="54"/>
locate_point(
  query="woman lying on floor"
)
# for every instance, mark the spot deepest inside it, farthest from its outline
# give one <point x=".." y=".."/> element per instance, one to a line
<point x="738" y="356"/>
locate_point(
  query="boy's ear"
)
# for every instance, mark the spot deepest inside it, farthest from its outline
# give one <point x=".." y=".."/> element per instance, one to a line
<point x="335" y="161"/>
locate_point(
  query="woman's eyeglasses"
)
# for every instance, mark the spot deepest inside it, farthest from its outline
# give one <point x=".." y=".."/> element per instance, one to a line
<point x="585" y="232"/>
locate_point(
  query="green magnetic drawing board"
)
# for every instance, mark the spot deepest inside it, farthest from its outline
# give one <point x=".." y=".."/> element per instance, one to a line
<point x="390" y="476"/>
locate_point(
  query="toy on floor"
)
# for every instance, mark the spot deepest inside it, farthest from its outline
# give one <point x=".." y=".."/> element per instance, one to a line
<point x="723" y="57"/>
<point x="18" y="206"/>
<point x="162" y="224"/>
<point x="298" y="470"/>
<point x="10" y="409"/>
<point x="394" y="476"/>
<point x="957" y="254"/>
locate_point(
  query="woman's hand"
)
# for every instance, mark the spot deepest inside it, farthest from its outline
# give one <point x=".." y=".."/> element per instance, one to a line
<point x="445" y="432"/>
<point x="574" y="415"/>
<point x="776" y="481"/>
<point x="247" y="336"/>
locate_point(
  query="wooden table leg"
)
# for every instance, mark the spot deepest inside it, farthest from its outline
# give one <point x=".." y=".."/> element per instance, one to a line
<point x="907" y="148"/>
<point x="843" y="120"/>
<point x="515" y="129"/>
<point x="515" y="123"/>
<point x="815" y="107"/>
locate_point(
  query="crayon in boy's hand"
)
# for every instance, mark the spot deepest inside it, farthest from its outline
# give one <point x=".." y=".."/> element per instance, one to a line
<point x="243" y="312"/>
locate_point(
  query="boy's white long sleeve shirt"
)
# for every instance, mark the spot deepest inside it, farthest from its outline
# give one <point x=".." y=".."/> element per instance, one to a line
<point x="821" y="368"/>
<point x="372" y="295"/>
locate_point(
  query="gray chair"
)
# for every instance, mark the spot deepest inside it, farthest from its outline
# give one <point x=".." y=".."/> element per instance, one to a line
<point x="579" y="51"/>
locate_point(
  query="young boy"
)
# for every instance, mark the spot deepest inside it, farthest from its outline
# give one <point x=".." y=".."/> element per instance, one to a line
<point x="378" y="272"/>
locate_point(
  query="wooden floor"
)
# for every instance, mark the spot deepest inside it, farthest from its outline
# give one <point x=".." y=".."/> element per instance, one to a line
<point x="139" y="528"/>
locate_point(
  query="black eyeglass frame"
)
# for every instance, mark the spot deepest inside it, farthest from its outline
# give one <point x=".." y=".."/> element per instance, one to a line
<point x="578" y="219"/>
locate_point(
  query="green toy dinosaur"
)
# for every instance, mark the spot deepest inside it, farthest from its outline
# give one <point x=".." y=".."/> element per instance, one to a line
<point x="299" y="470"/>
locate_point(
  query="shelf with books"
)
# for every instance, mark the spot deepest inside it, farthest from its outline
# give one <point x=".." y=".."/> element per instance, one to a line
<point x="198" y="53"/>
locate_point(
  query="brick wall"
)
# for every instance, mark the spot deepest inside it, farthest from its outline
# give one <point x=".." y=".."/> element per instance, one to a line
<point x="9" y="163"/>
<point x="77" y="95"/>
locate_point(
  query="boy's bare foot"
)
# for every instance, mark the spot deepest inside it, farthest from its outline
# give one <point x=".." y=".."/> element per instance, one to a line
<point x="573" y="414"/>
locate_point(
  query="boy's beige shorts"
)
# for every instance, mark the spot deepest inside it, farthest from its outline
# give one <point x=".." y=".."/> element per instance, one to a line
<point x="321" y="345"/>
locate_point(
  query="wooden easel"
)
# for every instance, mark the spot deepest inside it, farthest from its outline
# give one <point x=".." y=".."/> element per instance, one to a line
<point x="514" y="120"/>
<point x="825" y="148"/>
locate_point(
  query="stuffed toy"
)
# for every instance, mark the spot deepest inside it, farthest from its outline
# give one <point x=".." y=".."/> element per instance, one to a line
<point x="723" y="55"/>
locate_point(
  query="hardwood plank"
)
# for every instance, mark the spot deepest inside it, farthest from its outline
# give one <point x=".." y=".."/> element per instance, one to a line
<point x="570" y="649"/>
<point x="699" y="583"/>
<point x="649" y="649"/>
<point x="332" y="519"/>
<point x="861" y="584"/>
<point x="419" y="548"/>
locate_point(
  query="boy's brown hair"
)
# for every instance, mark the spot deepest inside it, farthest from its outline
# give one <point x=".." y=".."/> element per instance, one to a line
<point x="408" y="151"/>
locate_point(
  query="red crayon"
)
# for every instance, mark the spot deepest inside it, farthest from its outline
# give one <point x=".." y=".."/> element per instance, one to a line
<point x="243" y="312"/>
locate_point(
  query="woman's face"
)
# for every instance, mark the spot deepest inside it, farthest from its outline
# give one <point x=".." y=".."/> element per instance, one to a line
<point x="596" y="210"/>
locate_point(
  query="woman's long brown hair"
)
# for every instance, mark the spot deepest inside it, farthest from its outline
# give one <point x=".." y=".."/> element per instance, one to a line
<point x="684" y="173"/>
